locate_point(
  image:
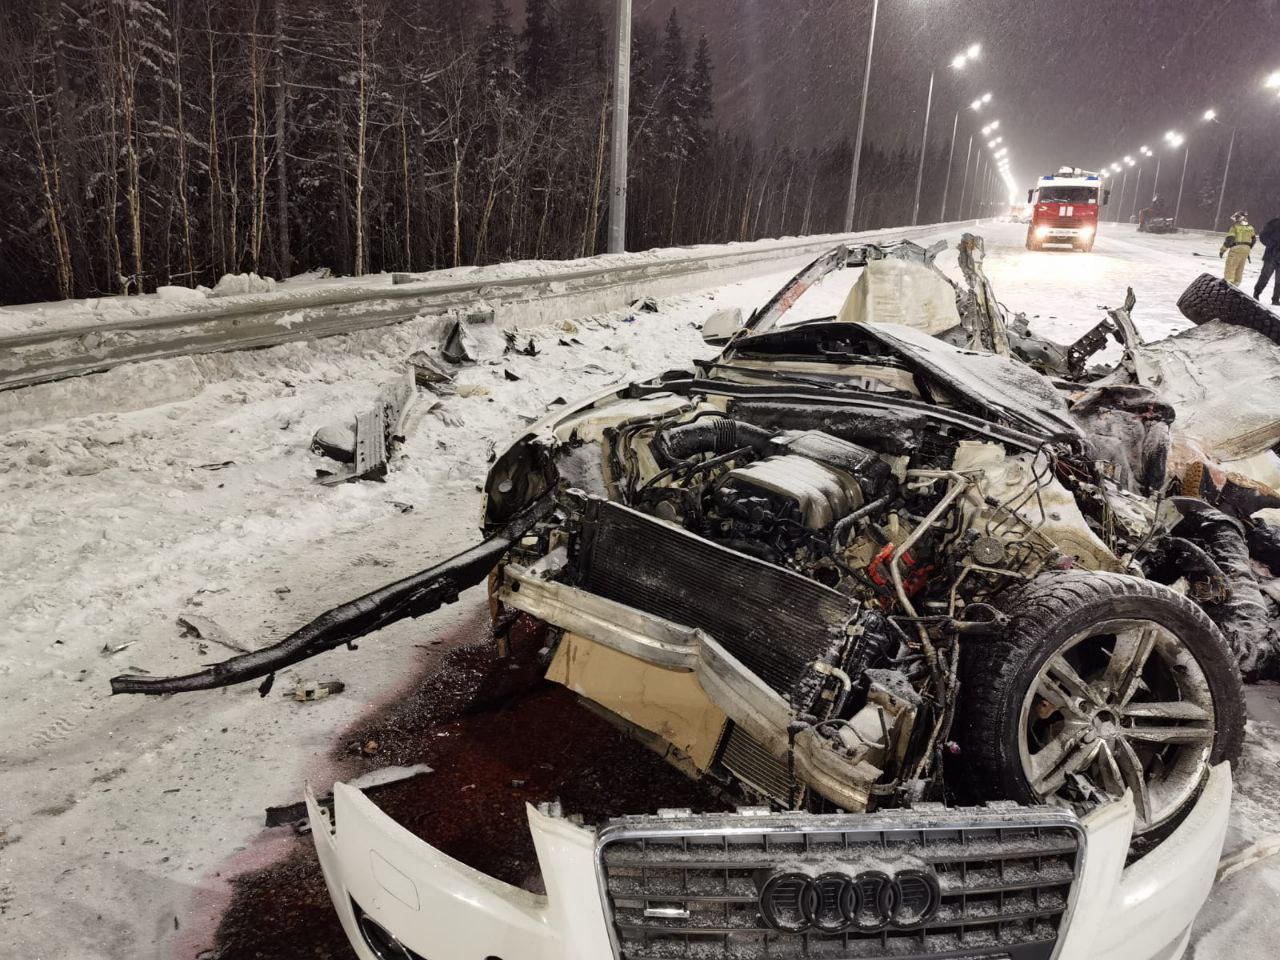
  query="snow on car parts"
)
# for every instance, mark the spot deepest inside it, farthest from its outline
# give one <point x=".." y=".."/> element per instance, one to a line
<point x="930" y="603"/>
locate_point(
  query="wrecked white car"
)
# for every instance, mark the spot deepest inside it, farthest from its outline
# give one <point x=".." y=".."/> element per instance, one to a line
<point x="942" y="627"/>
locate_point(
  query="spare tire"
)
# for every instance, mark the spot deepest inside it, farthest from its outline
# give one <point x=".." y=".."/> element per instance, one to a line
<point x="1212" y="298"/>
<point x="1101" y="683"/>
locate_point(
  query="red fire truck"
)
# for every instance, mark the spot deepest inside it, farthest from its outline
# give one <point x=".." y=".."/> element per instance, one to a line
<point x="1065" y="209"/>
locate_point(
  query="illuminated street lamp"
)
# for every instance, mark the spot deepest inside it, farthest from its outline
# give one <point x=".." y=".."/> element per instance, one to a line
<point x="961" y="60"/>
<point x="1273" y="81"/>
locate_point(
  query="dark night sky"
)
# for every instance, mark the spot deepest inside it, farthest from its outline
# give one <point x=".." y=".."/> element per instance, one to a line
<point x="1075" y="81"/>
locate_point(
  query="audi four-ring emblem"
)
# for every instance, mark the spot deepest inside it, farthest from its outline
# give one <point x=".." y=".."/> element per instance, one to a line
<point x="836" y="903"/>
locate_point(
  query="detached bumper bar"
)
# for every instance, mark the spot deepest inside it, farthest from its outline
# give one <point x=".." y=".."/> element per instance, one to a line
<point x="441" y="909"/>
<point x="415" y="596"/>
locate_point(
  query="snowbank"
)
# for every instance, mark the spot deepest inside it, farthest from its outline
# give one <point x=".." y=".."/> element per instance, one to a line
<point x="238" y="284"/>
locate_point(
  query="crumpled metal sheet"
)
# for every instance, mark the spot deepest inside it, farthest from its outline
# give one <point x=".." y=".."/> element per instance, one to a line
<point x="1007" y="389"/>
<point x="1223" y="382"/>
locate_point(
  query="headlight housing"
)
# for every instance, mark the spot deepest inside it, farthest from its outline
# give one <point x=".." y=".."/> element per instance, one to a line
<point x="1042" y="232"/>
<point x="1086" y="231"/>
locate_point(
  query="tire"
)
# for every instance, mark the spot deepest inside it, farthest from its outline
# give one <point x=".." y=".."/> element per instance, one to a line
<point x="1212" y="298"/>
<point x="1032" y="243"/>
<point x="1001" y="705"/>
<point x="1087" y="247"/>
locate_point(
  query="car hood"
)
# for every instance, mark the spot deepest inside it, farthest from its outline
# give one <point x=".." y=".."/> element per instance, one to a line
<point x="1003" y="389"/>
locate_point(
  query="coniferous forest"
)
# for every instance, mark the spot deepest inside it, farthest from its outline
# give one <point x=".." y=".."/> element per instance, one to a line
<point x="150" y="142"/>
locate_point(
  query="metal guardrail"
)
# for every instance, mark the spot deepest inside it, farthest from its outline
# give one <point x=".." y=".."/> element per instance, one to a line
<point x="43" y="356"/>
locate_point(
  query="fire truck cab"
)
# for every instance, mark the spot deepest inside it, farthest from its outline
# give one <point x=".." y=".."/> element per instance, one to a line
<point x="1065" y="209"/>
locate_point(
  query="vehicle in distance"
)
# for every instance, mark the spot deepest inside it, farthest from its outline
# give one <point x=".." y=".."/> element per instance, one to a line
<point x="1065" y="208"/>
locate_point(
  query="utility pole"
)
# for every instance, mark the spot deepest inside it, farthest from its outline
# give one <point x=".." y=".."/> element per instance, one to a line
<point x="924" y="150"/>
<point x="621" y="118"/>
<point x="951" y="159"/>
<point x="862" y="122"/>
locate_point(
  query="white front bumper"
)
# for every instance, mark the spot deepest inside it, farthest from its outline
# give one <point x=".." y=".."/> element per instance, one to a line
<point x="444" y="910"/>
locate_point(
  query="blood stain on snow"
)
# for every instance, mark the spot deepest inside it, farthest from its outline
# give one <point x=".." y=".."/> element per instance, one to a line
<point x="497" y="736"/>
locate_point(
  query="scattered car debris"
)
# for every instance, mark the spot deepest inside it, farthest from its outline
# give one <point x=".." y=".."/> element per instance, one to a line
<point x="205" y="629"/>
<point x="427" y="371"/>
<point x="377" y="431"/>
<point x="645" y="305"/>
<point x="108" y="650"/>
<point x="530" y="349"/>
<point x="308" y="690"/>
<point x="222" y="465"/>
<point x="511" y="377"/>
<point x="459" y="346"/>
<point x="337" y="441"/>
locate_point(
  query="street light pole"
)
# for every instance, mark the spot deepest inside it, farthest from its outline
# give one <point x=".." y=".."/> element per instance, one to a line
<point x="964" y="188"/>
<point x="951" y="159"/>
<point x="924" y="150"/>
<point x="977" y="165"/>
<point x="1137" y="190"/>
<point x="862" y="122"/>
<point x="1222" y="194"/>
<point x="621" y="118"/>
<point x="1182" y="183"/>
<point x="1124" y="185"/>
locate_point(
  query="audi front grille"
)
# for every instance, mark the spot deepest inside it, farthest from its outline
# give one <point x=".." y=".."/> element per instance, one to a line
<point x="994" y="882"/>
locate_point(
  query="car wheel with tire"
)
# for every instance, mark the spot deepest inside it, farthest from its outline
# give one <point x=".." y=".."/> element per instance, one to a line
<point x="1212" y="298"/>
<point x="1102" y="683"/>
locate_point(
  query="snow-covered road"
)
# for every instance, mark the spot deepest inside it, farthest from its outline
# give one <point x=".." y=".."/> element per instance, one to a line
<point x="121" y="819"/>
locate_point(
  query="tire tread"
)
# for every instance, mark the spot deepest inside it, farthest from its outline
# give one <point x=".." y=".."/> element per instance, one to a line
<point x="1212" y="298"/>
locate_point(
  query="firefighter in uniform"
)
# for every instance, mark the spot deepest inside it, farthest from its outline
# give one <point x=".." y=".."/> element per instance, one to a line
<point x="1237" y="246"/>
